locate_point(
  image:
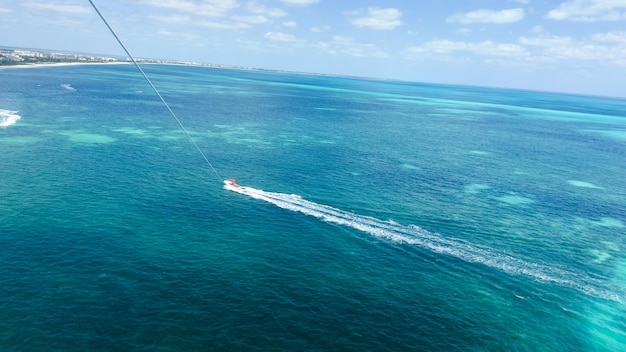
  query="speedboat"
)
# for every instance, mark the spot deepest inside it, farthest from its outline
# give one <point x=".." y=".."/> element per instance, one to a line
<point x="231" y="183"/>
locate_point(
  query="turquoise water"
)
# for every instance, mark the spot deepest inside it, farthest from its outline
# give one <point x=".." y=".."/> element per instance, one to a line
<point x="378" y="215"/>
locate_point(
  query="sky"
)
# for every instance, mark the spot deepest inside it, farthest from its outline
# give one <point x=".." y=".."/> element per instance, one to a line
<point x="573" y="46"/>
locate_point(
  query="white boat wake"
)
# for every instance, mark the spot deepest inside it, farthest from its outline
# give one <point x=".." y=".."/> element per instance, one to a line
<point x="415" y="235"/>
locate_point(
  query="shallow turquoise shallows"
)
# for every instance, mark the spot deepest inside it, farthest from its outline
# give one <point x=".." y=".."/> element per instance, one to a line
<point x="374" y="215"/>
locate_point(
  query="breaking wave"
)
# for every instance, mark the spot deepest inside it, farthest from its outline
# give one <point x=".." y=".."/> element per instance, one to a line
<point x="8" y="118"/>
<point x="68" y="87"/>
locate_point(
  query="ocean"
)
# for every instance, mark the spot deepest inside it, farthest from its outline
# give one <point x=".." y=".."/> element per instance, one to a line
<point x="374" y="215"/>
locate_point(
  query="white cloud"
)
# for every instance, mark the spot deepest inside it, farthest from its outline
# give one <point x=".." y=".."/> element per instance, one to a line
<point x="378" y="18"/>
<point x="607" y="47"/>
<point x="611" y="37"/>
<point x="485" y="48"/>
<point x="347" y="46"/>
<point x="58" y="7"/>
<point x="222" y="25"/>
<point x="588" y="52"/>
<point x="589" y="11"/>
<point x="176" y="19"/>
<point x="537" y="29"/>
<point x="488" y="16"/>
<point x="196" y="13"/>
<point x="289" y="23"/>
<point x="300" y="2"/>
<point x="209" y="8"/>
<point x="319" y="29"/>
<point x="281" y="37"/>
<point x="256" y="7"/>
<point x="252" y="19"/>
<point x="190" y="38"/>
<point x="188" y="20"/>
<point x="546" y="41"/>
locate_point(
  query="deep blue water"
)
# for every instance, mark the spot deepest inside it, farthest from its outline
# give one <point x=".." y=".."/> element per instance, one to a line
<point x="410" y="216"/>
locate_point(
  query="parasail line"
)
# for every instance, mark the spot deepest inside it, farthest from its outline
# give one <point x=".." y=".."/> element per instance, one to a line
<point x="167" y="106"/>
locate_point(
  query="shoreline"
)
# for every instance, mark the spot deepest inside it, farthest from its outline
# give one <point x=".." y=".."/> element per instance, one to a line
<point x="62" y="64"/>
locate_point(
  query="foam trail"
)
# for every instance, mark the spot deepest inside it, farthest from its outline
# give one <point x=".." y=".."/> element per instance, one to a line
<point x="415" y="235"/>
<point x="8" y="118"/>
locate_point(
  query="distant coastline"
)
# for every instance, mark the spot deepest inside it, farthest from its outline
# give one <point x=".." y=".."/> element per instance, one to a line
<point x="26" y="58"/>
<point x="46" y="64"/>
<point x="17" y="57"/>
<point x="11" y="57"/>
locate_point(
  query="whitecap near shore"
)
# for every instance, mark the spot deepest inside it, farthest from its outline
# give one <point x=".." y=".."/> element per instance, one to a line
<point x="8" y="118"/>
